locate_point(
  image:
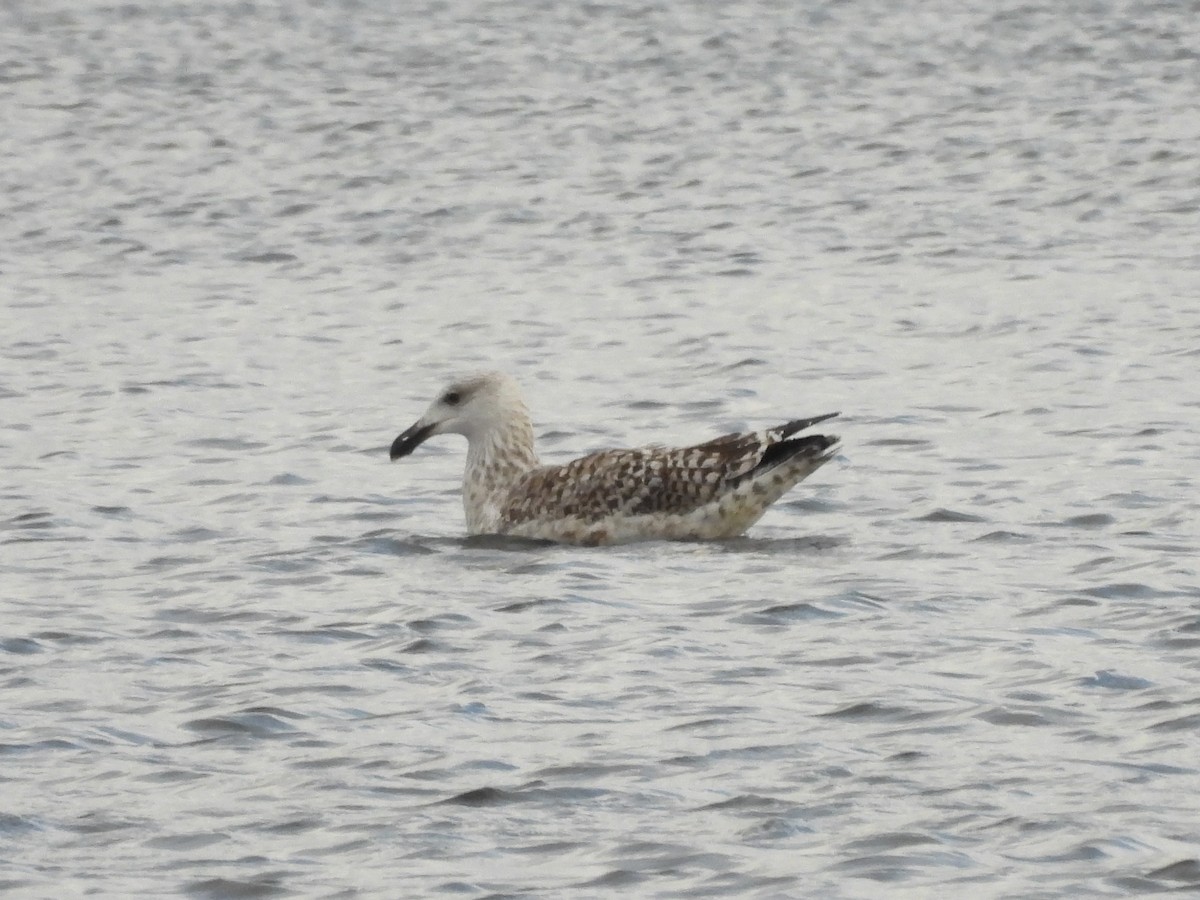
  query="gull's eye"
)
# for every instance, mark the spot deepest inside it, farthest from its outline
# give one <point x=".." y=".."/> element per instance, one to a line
<point x="452" y="398"/>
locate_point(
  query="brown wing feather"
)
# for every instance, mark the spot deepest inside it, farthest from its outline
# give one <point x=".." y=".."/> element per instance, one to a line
<point x="632" y="482"/>
<point x="644" y="480"/>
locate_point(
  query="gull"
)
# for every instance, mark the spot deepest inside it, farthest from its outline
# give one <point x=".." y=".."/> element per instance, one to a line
<point x="707" y="491"/>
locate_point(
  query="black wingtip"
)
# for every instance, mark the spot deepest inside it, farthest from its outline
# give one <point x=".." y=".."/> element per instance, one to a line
<point x="811" y="446"/>
<point x="800" y="424"/>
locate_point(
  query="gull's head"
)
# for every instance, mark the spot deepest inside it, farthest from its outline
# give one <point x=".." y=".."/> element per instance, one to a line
<point x="470" y="406"/>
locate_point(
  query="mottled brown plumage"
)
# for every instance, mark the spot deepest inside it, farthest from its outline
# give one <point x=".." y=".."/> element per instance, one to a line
<point x="710" y="490"/>
<point x="652" y="479"/>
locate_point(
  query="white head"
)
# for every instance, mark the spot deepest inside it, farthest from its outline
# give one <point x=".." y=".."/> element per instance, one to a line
<point x="472" y="406"/>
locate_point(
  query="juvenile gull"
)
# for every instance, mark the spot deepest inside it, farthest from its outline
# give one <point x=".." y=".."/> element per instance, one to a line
<point x="717" y="489"/>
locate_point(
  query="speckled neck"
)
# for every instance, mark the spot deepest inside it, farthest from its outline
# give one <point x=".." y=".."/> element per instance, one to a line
<point x="496" y="458"/>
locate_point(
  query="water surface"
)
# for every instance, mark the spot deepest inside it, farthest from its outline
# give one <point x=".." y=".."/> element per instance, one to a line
<point x="245" y="243"/>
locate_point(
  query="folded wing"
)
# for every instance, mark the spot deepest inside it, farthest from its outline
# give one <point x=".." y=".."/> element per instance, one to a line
<point x="658" y="479"/>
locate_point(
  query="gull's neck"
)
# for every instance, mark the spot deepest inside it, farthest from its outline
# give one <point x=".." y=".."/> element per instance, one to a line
<point x="499" y="453"/>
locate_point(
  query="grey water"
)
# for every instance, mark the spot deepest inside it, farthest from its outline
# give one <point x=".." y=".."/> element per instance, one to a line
<point x="244" y="242"/>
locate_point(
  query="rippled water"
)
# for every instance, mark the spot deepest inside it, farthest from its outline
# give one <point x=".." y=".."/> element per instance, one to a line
<point x="244" y="243"/>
